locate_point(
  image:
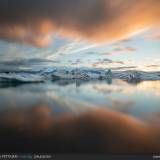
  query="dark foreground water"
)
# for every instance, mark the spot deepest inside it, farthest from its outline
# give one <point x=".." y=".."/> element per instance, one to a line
<point x="80" y="117"/>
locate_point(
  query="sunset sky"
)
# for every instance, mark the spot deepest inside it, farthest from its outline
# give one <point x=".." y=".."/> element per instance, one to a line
<point x="120" y="34"/>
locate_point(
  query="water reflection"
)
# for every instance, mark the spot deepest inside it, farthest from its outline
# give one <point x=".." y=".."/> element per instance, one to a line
<point x="64" y="95"/>
<point x="151" y="86"/>
<point x="36" y="129"/>
<point x="88" y="117"/>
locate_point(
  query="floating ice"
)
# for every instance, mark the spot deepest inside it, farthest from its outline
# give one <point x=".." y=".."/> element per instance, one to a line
<point x="78" y="73"/>
<point x="20" y="77"/>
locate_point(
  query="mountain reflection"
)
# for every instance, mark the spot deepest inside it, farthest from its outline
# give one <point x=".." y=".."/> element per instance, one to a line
<point x="96" y="131"/>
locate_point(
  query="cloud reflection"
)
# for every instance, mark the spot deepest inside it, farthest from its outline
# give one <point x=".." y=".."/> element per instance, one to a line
<point x="37" y="129"/>
<point x="152" y="87"/>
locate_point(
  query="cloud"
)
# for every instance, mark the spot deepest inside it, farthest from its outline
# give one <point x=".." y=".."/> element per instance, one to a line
<point x="119" y="49"/>
<point x="124" y="49"/>
<point x="153" y="34"/>
<point x="106" y="61"/>
<point x="153" y="66"/>
<point x="33" y="22"/>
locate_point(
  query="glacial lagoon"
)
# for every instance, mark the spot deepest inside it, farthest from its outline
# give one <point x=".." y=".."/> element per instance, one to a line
<point x="74" y="116"/>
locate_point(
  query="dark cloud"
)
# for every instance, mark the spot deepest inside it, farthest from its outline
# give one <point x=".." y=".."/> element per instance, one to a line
<point x="29" y="21"/>
<point x="16" y="65"/>
<point x="26" y="61"/>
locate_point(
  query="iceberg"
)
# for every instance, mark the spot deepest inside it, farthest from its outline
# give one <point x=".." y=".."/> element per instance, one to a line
<point x="20" y="77"/>
<point x="54" y="74"/>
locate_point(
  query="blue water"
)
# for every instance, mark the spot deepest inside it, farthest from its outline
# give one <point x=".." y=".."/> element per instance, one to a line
<point x="69" y="116"/>
<point x="76" y="97"/>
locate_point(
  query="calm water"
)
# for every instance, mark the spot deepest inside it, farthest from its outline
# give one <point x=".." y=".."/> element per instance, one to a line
<point x="76" y="97"/>
<point x="75" y="116"/>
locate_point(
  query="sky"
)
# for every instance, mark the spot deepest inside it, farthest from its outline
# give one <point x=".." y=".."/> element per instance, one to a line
<point x="118" y="34"/>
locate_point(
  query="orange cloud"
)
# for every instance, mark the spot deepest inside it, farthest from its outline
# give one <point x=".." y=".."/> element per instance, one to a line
<point x="32" y="22"/>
